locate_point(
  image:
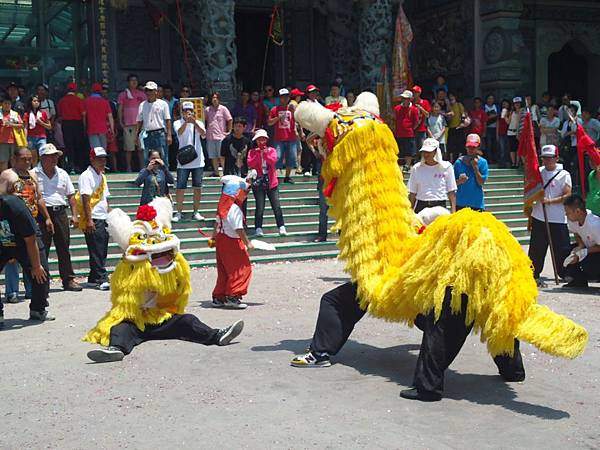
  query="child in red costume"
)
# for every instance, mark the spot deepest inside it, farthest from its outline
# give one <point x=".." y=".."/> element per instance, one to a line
<point x="233" y="263"/>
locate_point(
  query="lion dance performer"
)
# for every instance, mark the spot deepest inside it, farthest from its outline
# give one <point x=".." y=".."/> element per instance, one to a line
<point x="463" y="272"/>
<point x="234" y="270"/>
<point x="150" y="288"/>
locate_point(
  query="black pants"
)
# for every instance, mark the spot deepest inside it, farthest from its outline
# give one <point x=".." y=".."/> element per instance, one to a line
<point x="97" y="244"/>
<point x="420" y="205"/>
<point x="338" y="313"/>
<point x="76" y="147"/>
<point x="39" y="291"/>
<point x="61" y="238"/>
<point x="442" y="340"/>
<point x="539" y="242"/>
<point x="586" y="270"/>
<point x="186" y="327"/>
<point x="260" y="196"/>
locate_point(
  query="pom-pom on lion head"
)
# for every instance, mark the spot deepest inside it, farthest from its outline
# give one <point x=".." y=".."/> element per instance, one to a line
<point x="148" y="237"/>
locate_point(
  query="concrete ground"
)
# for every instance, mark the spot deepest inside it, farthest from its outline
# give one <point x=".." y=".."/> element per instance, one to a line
<point x="180" y="395"/>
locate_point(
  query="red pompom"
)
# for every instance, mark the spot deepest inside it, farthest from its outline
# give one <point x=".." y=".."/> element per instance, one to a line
<point x="145" y="213"/>
<point x="334" y="106"/>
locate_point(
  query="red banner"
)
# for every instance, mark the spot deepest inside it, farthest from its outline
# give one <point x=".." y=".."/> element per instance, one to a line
<point x="401" y="75"/>
<point x="585" y="144"/>
<point x="534" y="188"/>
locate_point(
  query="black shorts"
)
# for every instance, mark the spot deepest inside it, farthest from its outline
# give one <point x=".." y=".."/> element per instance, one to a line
<point x="407" y="146"/>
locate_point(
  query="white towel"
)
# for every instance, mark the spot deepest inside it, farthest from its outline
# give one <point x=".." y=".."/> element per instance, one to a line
<point x="129" y="95"/>
<point x="33" y="119"/>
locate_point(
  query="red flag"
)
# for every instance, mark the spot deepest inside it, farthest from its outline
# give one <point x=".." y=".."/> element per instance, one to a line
<point x="534" y="188"/>
<point x="401" y="75"/>
<point x="585" y="144"/>
<point x="276" y="27"/>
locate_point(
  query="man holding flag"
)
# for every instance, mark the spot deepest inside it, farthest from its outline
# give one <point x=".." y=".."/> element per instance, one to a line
<point x="557" y="188"/>
<point x="546" y="189"/>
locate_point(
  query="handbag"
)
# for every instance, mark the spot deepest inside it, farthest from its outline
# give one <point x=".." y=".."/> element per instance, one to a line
<point x="187" y="153"/>
<point x="262" y="182"/>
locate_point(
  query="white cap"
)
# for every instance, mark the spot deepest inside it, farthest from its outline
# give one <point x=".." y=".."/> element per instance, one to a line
<point x="260" y="133"/>
<point x="430" y="145"/>
<point x="517" y="100"/>
<point x="151" y="86"/>
<point x="549" y="151"/>
<point x="284" y="91"/>
<point x="98" y="152"/>
<point x="50" y="149"/>
<point x="407" y="94"/>
<point x="187" y="105"/>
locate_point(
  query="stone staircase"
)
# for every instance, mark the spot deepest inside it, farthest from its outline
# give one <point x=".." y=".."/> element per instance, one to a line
<point x="504" y="198"/>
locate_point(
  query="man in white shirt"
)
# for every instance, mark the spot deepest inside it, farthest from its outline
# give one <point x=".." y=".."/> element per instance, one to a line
<point x="57" y="189"/>
<point x="189" y="132"/>
<point x="335" y="96"/>
<point x="94" y="196"/>
<point x="154" y="116"/>
<point x="557" y="188"/>
<point x="583" y="264"/>
<point x="432" y="180"/>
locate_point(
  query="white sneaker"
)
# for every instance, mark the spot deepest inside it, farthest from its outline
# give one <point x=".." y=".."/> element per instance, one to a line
<point x="282" y="231"/>
<point x="104" y="286"/>
<point x="307" y="174"/>
<point x="176" y="217"/>
<point x="198" y="216"/>
<point x="259" y="232"/>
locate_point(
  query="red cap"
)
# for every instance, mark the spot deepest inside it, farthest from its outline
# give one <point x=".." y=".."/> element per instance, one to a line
<point x="96" y="87"/>
<point x="72" y="86"/>
<point x="473" y="140"/>
<point x="416" y="88"/>
<point x="296" y="92"/>
<point x="311" y="88"/>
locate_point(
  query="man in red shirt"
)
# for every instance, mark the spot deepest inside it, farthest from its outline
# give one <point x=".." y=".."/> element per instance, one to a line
<point x="282" y="119"/>
<point x="478" y="119"/>
<point x="424" y="108"/>
<point x="407" y="121"/>
<point x="70" y="112"/>
<point x="97" y="114"/>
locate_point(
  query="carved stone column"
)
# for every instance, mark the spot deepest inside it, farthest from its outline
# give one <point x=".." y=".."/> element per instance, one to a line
<point x="210" y="28"/>
<point x="375" y="35"/>
<point x="502" y="69"/>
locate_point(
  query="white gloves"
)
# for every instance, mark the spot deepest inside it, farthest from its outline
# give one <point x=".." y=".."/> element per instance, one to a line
<point x="578" y="252"/>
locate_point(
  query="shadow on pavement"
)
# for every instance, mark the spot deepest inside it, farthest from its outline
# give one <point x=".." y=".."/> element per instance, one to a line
<point x="398" y="363"/>
<point x="17" y="324"/>
<point x="339" y="280"/>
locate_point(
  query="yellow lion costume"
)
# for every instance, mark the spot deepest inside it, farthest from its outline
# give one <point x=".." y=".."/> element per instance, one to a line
<point x="150" y="288"/>
<point x="401" y="274"/>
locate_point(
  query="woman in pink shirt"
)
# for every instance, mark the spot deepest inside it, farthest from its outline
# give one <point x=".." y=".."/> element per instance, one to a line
<point x="263" y="159"/>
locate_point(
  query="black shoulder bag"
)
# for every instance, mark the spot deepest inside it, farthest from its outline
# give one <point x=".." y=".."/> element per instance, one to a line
<point x="187" y="154"/>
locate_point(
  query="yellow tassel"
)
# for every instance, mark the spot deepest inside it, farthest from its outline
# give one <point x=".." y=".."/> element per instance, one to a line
<point x="129" y="285"/>
<point x="401" y="274"/>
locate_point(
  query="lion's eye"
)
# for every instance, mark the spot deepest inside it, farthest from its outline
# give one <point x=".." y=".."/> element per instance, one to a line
<point x="143" y="236"/>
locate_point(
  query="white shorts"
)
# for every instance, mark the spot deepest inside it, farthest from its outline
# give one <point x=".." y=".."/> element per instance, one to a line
<point x="213" y="149"/>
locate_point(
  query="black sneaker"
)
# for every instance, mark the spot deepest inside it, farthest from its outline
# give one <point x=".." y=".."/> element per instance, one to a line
<point x="226" y="335"/>
<point x="576" y="284"/>
<point x="103" y="355"/>
<point x="288" y="180"/>
<point x="216" y="303"/>
<point x="311" y="359"/>
<point x="42" y="316"/>
<point x="414" y="394"/>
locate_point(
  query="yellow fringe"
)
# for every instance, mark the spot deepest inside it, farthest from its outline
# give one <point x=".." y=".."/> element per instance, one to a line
<point x="129" y="284"/>
<point x="401" y="274"/>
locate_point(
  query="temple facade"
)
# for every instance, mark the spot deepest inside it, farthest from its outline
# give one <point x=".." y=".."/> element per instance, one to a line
<point x="505" y="47"/>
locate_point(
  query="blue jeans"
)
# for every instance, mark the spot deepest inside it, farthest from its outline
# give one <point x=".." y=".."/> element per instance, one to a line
<point x="156" y="140"/>
<point x="323" y="208"/>
<point x="286" y="151"/>
<point x="36" y="143"/>
<point x="503" y="149"/>
<point x="11" y="282"/>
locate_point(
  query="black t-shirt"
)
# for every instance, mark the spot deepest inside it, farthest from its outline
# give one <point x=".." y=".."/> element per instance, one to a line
<point x="231" y="147"/>
<point x="16" y="222"/>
